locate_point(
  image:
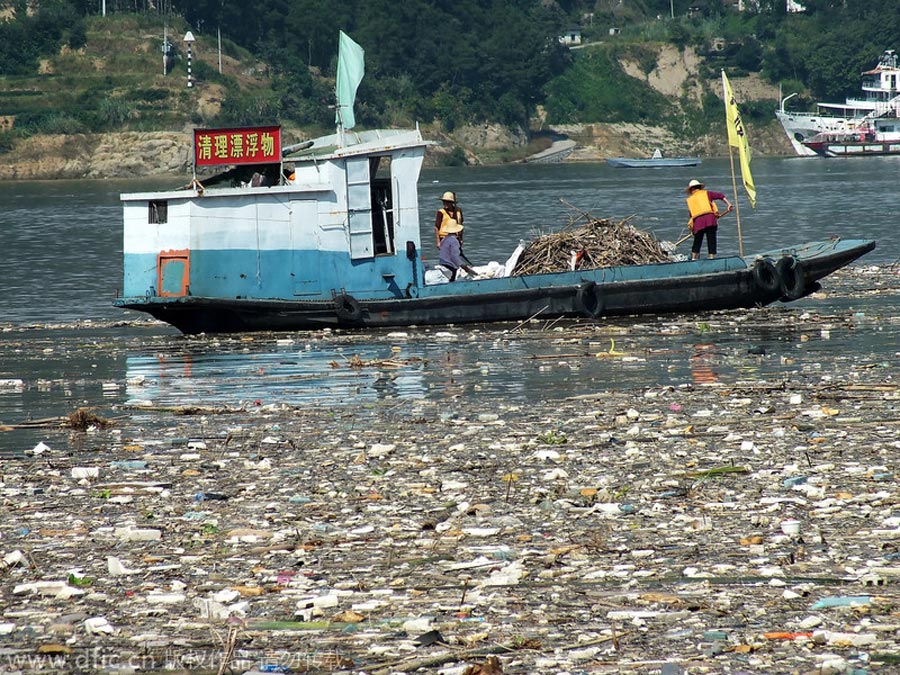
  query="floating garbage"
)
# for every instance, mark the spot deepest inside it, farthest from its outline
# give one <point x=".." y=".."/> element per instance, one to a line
<point x="739" y="522"/>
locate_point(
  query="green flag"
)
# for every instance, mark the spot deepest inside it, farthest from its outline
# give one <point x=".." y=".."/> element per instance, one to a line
<point x="350" y="71"/>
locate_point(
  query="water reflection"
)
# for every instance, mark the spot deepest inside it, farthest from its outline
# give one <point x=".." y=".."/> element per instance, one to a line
<point x="70" y="233"/>
<point x="267" y="374"/>
<point x="573" y="359"/>
<point x="55" y="371"/>
<point x="703" y="364"/>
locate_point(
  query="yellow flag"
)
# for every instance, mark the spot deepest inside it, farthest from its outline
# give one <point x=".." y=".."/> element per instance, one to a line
<point x="737" y="138"/>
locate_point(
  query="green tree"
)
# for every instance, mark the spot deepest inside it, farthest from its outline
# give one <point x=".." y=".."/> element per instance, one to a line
<point x="596" y="89"/>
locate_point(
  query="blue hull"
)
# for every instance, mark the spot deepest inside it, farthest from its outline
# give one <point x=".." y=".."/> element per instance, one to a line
<point x="700" y="286"/>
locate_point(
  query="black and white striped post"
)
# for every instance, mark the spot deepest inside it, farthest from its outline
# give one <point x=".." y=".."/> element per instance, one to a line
<point x="189" y="40"/>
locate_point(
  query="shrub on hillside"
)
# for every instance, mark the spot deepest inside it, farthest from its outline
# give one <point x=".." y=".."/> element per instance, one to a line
<point x="248" y="110"/>
<point x="7" y="141"/>
<point x="62" y="124"/>
<point x="112" y="113"/>
<point x="596" y="89"/>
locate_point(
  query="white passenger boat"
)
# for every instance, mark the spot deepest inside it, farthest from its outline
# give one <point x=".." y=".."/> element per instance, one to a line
<point x="869" y="125"/>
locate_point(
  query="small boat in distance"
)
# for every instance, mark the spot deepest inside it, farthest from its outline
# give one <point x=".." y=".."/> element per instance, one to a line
<point x="656" y="161"/>
<point x="860" y="126"/>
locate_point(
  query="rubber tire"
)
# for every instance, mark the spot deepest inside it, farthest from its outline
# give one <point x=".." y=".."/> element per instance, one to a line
<point x="793" y="278"/>
<point x="347" y="308"/>
<point x="589" y="300"/>
<point x="766" y="276"/>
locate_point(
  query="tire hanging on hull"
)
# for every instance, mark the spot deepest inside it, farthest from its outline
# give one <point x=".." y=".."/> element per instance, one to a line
<point x="347" y="308"/>
<point x="793" y="278"/>
<point x="589" y="299"/>
<point x="766" y="276"/>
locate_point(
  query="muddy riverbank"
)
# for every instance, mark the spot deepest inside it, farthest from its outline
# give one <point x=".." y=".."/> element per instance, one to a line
<point x="147" y="154"/>
<point x="743" y="519"/>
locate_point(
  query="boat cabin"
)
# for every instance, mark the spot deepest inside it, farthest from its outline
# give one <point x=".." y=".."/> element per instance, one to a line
<point x="345" y="220"/>
<point x="881" y="83"/>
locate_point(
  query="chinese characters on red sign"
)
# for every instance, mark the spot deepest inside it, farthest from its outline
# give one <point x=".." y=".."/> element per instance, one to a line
<point x="249" y="145"/>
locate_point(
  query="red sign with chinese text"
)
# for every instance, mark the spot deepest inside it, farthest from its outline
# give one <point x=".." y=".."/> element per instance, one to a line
<point x="248" y="145"/>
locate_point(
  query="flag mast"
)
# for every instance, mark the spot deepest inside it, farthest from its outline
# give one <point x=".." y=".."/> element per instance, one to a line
<point x="737" y="202"/>
<point x="737" y="138"/>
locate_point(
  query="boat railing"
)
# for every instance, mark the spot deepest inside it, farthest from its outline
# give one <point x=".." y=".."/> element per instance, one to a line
<point x="820" y="113"/>
<point x="786" y="99"/>
<point x="823" y="113"/>
<point x="887" y="109"/>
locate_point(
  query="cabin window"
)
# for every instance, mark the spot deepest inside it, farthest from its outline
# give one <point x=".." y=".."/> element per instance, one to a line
<point x="159" y="212"/>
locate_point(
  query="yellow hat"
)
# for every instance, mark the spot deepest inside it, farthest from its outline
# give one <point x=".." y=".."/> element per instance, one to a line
<point x="451" y="227"/>
<point x="448" y="197"/>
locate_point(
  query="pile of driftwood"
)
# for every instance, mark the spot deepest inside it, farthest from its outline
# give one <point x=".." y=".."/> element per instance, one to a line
<point x="588" y="243"/>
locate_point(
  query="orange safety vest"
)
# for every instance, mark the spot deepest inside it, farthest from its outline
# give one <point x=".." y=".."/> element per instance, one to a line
<point x="699" y="204"/>
<point x="457" y="217"/>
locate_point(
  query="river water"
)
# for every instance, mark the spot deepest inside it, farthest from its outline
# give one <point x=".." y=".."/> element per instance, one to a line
<point x="62" y="338"/>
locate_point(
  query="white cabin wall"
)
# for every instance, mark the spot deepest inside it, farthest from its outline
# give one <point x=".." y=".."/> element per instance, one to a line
<point x="234" y="223"/>
<point x="141" y="236"/>
<point x="332" y="210"/>
<point x="247" y="242"/>
<point x="406" y="167"/>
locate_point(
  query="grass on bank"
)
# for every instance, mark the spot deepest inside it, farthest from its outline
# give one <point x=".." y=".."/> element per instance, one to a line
<point x="116" y="82"/>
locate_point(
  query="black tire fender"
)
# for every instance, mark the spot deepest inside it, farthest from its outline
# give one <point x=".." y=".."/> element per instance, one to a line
<point x="589" y="299"/>
<point x="793" y="277"/>
<point x="347" y="308"/>
<point x="766" y="276"/>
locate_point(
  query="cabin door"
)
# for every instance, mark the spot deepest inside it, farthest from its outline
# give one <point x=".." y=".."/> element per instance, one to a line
<point x="305" y="256"/>
<point x="359" y="208"/>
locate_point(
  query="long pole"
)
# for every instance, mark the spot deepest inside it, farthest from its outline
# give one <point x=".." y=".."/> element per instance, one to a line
<point x="737" y="206"/>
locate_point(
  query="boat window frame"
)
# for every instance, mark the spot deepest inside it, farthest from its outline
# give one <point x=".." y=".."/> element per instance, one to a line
<point x="384" y="221"/>
<point x="158" y="211"/>
<point x="371" y="206"/>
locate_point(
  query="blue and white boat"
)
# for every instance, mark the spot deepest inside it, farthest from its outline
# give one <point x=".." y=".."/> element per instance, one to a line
<point x="339" y="245"/>
<point x="656" y="161"/>
<point x="335" y="242"/>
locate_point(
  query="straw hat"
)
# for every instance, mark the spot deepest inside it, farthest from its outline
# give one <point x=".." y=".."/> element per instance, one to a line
<point x="693" y="184"/>
<point x="448" y="197"/>
<point x="452" y="227"/>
